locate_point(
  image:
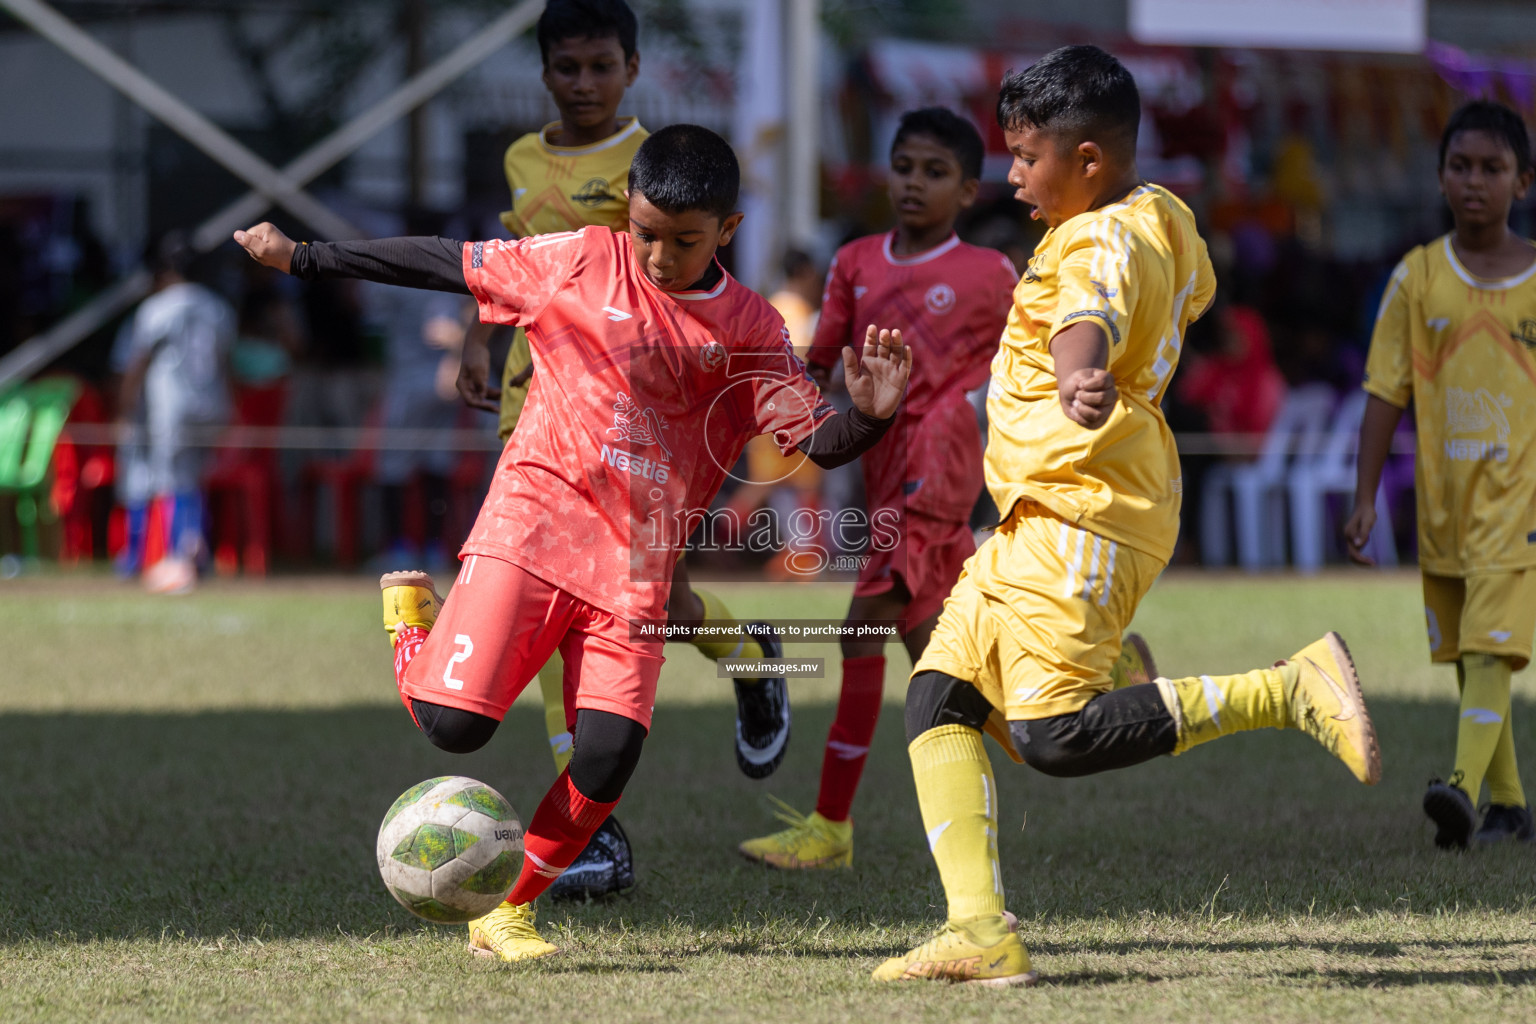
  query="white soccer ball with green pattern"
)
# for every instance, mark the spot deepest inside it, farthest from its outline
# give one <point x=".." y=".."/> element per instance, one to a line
<point x="449" y="849"/>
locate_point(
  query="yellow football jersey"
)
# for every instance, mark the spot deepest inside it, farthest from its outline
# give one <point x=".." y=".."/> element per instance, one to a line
<point x="566" y="188"/>
<point x="1138" y="269"/>
<point x="1463" y="349"/>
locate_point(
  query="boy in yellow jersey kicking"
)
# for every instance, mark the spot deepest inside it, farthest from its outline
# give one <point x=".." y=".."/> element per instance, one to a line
<point x="1084" y="468"/>
<point x="572" y="173"/>
<point x="1456" y="335"/>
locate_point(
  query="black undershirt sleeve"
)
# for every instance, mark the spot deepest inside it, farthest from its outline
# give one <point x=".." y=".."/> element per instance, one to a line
<point x="421" y="262"/>
<point x="844" y="437"/>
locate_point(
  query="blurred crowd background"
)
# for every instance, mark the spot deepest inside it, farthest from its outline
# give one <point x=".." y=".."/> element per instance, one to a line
<point x="1311" y="168"/>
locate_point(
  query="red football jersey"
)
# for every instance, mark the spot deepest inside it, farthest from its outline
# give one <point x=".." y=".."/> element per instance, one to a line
<point x="642" y="400"/>
<point x="951" y="304"/>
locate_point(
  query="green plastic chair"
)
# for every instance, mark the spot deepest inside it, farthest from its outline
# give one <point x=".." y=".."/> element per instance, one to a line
<point x="37" y="413"/>
<point x="15" y="414"/>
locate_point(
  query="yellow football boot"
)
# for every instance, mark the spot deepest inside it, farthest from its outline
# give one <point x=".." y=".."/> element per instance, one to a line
<point x="1327" y="704"/>
<point x="809" y="842"/>
<point x="508" y="932"/>
<point x="410" y="599"/>
<point x="952" y="955"/>
<point x="1135" y="665"/>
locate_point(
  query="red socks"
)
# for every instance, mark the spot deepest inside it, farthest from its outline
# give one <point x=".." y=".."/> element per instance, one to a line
<point x="858" y="709"/>
<point x="559" y="831"/>
<point x="408" y="641"/>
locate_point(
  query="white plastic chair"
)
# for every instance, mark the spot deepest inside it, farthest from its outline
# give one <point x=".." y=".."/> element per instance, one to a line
<point x="1258" y="487"/>
<point x="1332" y="471"/>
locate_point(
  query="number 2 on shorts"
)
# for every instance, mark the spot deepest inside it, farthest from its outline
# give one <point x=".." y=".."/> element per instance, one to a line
<point x="465" y="642"/>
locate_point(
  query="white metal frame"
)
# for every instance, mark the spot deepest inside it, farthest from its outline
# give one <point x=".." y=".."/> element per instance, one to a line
<point x="270" y="185"/>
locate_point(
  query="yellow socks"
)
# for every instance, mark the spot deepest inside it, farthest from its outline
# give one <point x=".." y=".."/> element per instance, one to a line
<point x="552" y="688"/>
<point x="1503" y="771"/>
<point x="958" y="798"/>
<point x="723" y="641"/>
<point x="1206" y="707"/>
<point x="1484" y="719"/>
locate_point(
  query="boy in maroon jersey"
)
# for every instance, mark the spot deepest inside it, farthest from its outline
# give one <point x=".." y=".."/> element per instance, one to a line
<point x="653" y="367"/>
<point x="951" y="302"/>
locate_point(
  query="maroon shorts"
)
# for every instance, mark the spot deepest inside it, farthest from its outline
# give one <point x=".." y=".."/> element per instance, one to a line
<point x="498" y="627"/>
<point x="926" y="559"/>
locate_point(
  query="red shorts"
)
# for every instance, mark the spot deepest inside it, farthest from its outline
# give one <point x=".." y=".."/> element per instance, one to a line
<point x="927" y="559"/>
<point x="498" y="627"/>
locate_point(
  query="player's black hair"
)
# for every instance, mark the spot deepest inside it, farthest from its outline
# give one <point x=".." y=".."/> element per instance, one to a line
<point x="587" y="19"/>
<point x="1079" y="92"/>
<point x="686" y="167"/>
<point x="949" y="130"/>
<point x="170" y="253"/>
<point x="1494" y="119"/>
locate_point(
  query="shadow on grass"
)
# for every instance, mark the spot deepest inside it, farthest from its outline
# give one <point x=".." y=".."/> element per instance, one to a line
<point x="1489" y="978"/>
<point x="263" y="823"/>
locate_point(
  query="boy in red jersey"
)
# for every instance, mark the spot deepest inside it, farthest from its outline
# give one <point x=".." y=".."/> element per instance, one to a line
<point x="951" y="302"/>
<point x="653" y="367"/>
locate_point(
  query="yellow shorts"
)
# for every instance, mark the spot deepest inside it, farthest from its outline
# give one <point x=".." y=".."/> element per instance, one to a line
<point x="1492" y="614"/>
<point x="513" y="396"/>
<point x="1035" y="620"/>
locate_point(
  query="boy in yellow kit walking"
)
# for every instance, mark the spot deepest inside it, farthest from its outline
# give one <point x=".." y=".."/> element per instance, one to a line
<point x="1084" y="468"/>
<point x="1456" y="334"/>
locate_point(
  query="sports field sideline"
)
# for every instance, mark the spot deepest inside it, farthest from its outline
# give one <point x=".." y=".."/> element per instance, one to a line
<point x="193" y="787"/>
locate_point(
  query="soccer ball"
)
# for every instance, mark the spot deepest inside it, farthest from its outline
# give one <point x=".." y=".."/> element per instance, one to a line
<point x="449" y="849"/>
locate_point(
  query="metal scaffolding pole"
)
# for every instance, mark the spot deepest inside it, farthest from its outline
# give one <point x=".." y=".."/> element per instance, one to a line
<point x="803" y="78"/>
<point x="177" y="115"/>
<point x="38" y="351"/>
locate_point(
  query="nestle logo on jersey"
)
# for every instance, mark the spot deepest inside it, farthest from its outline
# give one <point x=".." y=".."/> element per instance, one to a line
<point x="639" y="426"/>
<point x="646" y="469"/>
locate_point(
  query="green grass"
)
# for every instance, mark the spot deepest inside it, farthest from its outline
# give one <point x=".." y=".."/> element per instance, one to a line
<point x="192" y="788"/>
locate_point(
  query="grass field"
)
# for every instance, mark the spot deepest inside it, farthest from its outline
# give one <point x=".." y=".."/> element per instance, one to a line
<point x="192" y="788"/>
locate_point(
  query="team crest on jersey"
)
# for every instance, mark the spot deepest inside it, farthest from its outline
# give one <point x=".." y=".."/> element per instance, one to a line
<point x="712" y="356"/>
<point x="940" y="299"/>
<point x="637" y="425"/>
<point x="1526" y="335"/>
<point x="1030" y="273"/>
<point x="594" y="193"/>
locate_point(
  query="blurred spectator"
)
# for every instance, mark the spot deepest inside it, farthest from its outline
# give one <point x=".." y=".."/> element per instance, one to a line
<point x="419" y="328"/>
<point x="798" y="299"/>
<point x="1238" y="386"/>
<point x="786" y="484"/>
<point x="270" y="332"/>
<point x="175" y="374"/>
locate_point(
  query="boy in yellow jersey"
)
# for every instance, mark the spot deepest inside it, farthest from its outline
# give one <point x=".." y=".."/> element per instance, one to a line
<point x="1456" y="335"/>
<point x="572" y="173"/>
<point x="1084" y="469"/>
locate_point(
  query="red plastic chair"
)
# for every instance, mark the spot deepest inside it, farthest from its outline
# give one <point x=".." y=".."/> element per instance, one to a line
<point x="83" y="480"/>
<point x="345" y="477"/>
<point x="243" y="488"/>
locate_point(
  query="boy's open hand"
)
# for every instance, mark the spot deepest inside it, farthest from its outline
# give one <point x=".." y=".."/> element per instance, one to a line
<point x="268" y="246"/>
<point x="1088" y="396"/>
<point x="877" y="380"/>
<point x="1357" y="533"/>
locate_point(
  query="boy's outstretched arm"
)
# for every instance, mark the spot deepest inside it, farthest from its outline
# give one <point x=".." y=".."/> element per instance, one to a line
<point x="423" y="262"/>
<point x="1376" y="432"/>
<point x="876" y="381"/>
<point x="1085" y="385"/>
